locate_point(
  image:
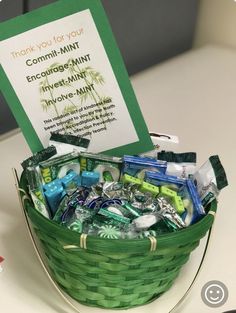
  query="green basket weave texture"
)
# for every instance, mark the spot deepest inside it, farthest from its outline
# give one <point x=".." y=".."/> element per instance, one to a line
<point x="113" y="273"/>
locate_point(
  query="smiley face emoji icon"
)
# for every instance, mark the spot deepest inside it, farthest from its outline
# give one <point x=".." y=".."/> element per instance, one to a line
<point x="214" y="293"/>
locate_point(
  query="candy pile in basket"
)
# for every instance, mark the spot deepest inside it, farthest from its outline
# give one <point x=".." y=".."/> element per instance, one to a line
<point x="117" y="198"/>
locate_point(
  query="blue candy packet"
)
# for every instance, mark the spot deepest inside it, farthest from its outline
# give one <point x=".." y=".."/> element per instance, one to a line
<point x="54" y="196"/>
<point x="159" y="179"/>
<point x="194" y="207"/>
<point x="137" y="166"/>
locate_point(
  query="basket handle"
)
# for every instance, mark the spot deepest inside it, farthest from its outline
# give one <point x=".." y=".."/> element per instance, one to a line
<point x="37" y="251"/>
<point x="181" y="300"/>
<point x="61" y="293"/>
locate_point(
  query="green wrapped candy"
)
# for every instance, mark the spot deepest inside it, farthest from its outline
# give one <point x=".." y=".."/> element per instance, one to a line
<point x="77" y="226"/>
<point x="109" y="232"/>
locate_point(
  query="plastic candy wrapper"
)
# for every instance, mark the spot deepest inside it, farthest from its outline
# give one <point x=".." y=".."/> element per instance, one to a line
<point x="36" y="191"/>
<point x="71" y="181"/>
<point x="210" y="179"/>
<point x="114" y="190"/>
<point x="169" y="214"/>
<point x="67" y="208"/>
<point x="58" y="167"/>
<point x="149" y="188"/>
<point x="137" y="166"/>
<point x="109" y="232"/>
<point x="174" y="199"/>
<point x="192" y="201"/>
<point x="109" y="168"/>
<point x="179" y="164"/>
<point x="129" y="211"/>
<point x="61" y="209"/>
<point x="105" y="228"/>
<point x="93" y="200"/>
<point x="38" y="157"/>
<point x="54" y="192"/>
<point x="145" y="221"/>
<point x="169" y="181"/>
<point x="80" y="220"/>
<point x="114" y="216"/>
<point x="89" y="178"/>
<point x="79" y="196"/>
<point x="128" y="179"/>
<point x="160" y="228"/>
<point x="126" y="210"/>
<point x="68" y="143"/>
<point x="58" y="188"/>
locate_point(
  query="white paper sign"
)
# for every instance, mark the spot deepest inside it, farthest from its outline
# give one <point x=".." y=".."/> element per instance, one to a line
<point x="64" y="80"/>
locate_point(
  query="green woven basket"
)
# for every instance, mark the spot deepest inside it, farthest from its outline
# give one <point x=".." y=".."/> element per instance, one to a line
<point x="113" y="273"/>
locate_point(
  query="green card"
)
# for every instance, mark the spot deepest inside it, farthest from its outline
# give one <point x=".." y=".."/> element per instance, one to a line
<point x="61" y="71"/>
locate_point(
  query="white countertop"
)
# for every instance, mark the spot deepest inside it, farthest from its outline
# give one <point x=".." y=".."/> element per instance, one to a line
<point x="192" y="96"/>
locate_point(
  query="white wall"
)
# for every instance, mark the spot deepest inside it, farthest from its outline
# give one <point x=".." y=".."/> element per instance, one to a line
<point x="216" y="23"/>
